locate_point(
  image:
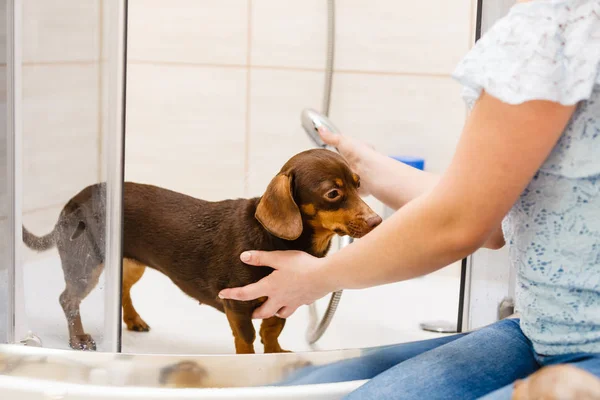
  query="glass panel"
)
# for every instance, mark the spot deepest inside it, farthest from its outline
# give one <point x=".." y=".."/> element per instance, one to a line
<point x="5" y="184"/>
<point x="215" y="94"/>
<point x="491" y="278"/>
<point x="72" y="87"/>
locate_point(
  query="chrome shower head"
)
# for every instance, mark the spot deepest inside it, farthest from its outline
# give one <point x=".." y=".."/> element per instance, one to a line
<point x="311" y="121"/>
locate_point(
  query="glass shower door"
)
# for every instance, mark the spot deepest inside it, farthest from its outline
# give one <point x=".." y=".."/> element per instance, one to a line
<point x="6" y="245"/>
<point x="64" y="133"/>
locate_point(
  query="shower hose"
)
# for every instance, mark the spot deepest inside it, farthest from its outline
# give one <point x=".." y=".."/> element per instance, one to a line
<point x="316" y="327"/>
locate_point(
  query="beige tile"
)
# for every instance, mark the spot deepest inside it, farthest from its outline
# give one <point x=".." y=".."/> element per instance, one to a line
<point x="60" y="132"/>
<point x="189" y="31"/>
<point x="4" y="190"/>
<point x="402" y="35"/>
<point x="60" y="30"/>
<point x="290" y="33"/>
<point x="3" y="32"/>
<point x="4" y="256"/>
<point x="109" y="126"/>
<point x="109" y="106"/>
<point x="186" y="129"/>
<point x="401" y="115"/>
<point x="277" y="99"/>
<point x="4" y="195"/>
<point x="109" y="28"/>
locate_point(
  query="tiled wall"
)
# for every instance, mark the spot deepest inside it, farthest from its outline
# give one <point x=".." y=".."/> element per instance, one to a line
<point x="61" y="107"/>
<point x="216" y="87"/>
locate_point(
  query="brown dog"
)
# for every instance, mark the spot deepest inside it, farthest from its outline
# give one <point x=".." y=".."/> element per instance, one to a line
<point x="197" y="243"/>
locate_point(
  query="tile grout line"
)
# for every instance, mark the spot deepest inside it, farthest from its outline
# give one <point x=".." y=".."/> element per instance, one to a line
<point x="34" y="210"/>
<point x="58" y="63"/>
<point x="45" y="208"/>
<point x="284" y="68"/>
<point x="244" y="66"/>
<point x="248" y="88"/>
<point x="188" y="64"/>
<point x="392" y="73"/>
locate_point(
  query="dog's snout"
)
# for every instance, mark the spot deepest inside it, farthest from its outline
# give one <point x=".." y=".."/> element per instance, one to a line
<point x="374" y="221"/>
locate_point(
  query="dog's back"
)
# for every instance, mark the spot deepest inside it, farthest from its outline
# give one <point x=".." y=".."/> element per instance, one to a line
<point x="194" y="242"/>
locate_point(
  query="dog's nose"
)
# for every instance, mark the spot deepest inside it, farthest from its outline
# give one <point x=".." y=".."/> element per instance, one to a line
<point x="373" y="221"/>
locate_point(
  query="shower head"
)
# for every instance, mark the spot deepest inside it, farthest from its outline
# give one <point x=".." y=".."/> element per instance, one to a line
<point x="311" y="121"/>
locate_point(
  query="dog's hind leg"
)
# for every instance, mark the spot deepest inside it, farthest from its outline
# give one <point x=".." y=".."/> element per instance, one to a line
<point x="76" y="290"/>
<point x="270" y="329"/>
<point x="132" y="272"/>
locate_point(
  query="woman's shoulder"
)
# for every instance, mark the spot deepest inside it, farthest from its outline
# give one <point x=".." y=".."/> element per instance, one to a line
<point x="541" y="50"/>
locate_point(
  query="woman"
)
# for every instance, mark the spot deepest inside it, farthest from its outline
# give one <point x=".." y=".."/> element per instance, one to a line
<point x="527" y="168"/>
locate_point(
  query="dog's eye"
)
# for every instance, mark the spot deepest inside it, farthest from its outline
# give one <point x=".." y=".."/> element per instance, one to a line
<point x="333" y="194"/>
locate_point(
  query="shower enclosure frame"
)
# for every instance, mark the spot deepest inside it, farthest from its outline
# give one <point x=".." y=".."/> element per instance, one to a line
<point x="113" y="162"/>
<point x="487" y="281"/>
<point x="13" y="163"/>
<point x="473" y="310"/>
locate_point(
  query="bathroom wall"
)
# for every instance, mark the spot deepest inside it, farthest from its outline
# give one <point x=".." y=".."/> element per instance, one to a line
<point x="216" y="87"/>
<point x="5" y="254"/>
<point x="214" y="95"/>
<point x="61" y="88"/>
<point x="67" y="102"/>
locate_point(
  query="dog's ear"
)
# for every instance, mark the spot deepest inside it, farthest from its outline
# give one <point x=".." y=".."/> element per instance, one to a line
<point x="277" y="211"/>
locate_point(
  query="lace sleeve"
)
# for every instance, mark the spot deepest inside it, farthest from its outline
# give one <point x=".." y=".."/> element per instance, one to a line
<point x="542" y="50"/>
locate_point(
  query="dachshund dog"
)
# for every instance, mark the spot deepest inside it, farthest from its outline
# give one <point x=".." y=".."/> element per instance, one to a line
<point x="197" y="243"/>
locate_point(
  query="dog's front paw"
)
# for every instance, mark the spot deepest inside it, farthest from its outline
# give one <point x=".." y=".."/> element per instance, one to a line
<point x="82" y="342"/>
<point x="137" y="325"/>
<point x="284" y="351"/>
<point x="276" y="349"/>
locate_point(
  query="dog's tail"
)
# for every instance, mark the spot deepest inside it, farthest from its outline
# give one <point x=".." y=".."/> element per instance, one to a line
<point x="37" y="243"/>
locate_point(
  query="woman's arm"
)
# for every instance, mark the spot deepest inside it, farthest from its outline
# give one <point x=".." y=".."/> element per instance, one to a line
<point x="398" y="184"/>
<point x="501" y="148"/>
<point x="393" y="183"/>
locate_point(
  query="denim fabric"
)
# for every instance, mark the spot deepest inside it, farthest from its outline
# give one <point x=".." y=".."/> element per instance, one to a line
<point x="482" y="363"/>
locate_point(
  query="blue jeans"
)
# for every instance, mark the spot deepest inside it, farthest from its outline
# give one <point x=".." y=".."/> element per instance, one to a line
<point x="480" y="364"/>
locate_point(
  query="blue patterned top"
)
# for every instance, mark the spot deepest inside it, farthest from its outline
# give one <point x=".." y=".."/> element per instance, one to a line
<point x="550" y="50"/>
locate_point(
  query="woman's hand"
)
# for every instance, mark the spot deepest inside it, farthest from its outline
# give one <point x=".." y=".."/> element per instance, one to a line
<point x="295" y="282"/>
<point x="356" y="153"/>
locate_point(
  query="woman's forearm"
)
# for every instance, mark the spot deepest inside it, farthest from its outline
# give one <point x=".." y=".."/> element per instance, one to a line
<point x="415" y="241"/>
<point x="501" y="148"/>
<point x="465" y="207"/>
<point x="394" y="183"/>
